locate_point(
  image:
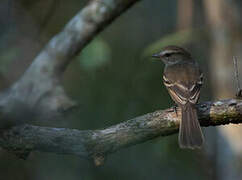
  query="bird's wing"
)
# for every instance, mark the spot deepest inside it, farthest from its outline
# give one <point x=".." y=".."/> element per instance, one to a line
<point x="183" y="92"/>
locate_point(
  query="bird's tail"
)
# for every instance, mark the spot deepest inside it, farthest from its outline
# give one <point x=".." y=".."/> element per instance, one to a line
<point x="190" y="133"/>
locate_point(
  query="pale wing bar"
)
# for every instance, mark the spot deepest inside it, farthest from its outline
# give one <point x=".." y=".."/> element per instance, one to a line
<point x="182" y="94"/>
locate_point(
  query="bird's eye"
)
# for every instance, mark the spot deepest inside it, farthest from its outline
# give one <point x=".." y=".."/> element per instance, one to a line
<point x="167" y="55"/>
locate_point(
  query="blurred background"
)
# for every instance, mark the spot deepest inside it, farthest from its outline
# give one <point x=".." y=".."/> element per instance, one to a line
<point x="114" y="79"/>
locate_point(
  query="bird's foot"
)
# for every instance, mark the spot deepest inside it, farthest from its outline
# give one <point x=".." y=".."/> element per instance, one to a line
<point x="175" y="109"/>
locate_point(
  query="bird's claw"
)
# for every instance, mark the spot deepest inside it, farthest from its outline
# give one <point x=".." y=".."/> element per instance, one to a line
<point x="175" y="109"/>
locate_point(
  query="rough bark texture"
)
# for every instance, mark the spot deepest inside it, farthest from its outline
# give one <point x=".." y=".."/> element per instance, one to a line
<point x="98" y="144"/>
<point x="39" y="95"/>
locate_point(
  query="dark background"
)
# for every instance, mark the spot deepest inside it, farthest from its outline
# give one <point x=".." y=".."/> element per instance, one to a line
<point x="114" y="79"/>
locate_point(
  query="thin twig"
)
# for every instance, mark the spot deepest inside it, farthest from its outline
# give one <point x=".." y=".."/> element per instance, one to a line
<point x="236" y="75"/>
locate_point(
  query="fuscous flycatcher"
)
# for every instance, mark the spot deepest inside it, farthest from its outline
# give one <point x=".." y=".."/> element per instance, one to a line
<point x="183" y="80"/>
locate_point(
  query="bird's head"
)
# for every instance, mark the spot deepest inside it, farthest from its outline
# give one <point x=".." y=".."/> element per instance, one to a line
<point x="172" y="54"/>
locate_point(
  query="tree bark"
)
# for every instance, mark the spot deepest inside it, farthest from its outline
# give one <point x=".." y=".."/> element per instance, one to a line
<point x="97" y="144"/>
<point x="39" y="92"/>
<point x="39" y="95"/>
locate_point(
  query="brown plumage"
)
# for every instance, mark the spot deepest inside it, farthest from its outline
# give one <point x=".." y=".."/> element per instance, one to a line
<point x="183" y="80"/>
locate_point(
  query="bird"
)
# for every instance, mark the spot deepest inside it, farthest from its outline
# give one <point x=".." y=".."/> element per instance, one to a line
<point x="183" y="80"/>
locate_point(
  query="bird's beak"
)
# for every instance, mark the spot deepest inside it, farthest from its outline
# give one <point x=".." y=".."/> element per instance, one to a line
<point x="156" y="55"/>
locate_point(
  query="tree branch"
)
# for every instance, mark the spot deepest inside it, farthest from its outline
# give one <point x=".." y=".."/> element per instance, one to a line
<point x="39" y="92"/>
<point x="97" y="144"/>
